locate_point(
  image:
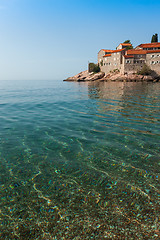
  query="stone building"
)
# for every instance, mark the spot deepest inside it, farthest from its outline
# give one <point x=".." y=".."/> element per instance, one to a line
<point x="131" y="60"/>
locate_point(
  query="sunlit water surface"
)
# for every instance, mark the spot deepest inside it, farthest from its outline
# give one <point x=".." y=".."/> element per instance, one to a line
<point x="79" y="161"/>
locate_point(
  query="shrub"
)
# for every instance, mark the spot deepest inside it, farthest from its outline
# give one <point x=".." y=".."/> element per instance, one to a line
<point x="116" y="70"/>
<point x="93" y="68"/>
<point x="145" y="70"/>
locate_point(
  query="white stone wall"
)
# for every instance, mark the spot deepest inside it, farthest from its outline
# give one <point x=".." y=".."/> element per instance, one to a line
<point x="153" y="61"/>
<point x="133" y="65"/>
<point x="101" y="53"/>
<point x="112" y="62"/>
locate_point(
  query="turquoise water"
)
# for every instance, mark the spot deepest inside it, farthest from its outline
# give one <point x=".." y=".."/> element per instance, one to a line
<point x="79" y="161"/>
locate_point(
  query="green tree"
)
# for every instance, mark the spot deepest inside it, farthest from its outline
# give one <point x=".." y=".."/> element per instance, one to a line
<point x="128" y="47"/>
<point x="154" y="38"/>
<point x="93" y="68"/>
<point x="127" y="41"/>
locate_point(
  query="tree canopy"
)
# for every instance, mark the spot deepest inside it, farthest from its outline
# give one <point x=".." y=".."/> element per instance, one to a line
<point x="154" y="38"/>
<point x="128" y="41"/>
<point x="94" y="68"/>
<point x="128" y="47"/>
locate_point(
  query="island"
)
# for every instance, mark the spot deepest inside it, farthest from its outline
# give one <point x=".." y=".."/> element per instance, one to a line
<point x="126" y="63"/>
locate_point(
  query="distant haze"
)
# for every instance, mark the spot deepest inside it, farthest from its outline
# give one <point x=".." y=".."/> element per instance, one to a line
<point x="50" y="39"/>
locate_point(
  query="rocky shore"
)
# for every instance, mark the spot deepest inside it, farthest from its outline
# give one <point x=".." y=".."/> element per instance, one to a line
<point x="112" y="76"/>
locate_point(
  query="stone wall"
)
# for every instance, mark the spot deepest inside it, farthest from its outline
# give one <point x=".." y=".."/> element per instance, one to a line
<point x="128" y="65"/>
<point x="153" y="61"/>
<point x="101" y="53"/>
<point x="112" y="62"/>
<point x="133" y="65"/>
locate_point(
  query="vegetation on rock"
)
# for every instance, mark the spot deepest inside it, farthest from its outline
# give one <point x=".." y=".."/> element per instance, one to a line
<point x="115" y="71"/>
<point x="145" y="70"/>
<point x="94" y="68"/>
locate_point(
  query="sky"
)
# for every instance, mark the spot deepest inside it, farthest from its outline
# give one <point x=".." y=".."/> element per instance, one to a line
<point x="55" y="39"/>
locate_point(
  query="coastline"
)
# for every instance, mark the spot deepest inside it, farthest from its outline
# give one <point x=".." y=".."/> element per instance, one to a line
<point x="112" y="76"/>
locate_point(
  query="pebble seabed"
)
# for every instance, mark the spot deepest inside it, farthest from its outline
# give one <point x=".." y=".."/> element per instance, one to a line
<point x="76" y="202"/>
<point x="86" y="172"/>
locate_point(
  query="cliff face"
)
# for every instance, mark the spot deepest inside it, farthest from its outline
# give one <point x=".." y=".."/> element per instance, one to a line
<point x="113" y="76"/>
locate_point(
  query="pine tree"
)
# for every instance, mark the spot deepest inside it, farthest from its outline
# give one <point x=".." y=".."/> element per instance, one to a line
<point x="154" y="38"/>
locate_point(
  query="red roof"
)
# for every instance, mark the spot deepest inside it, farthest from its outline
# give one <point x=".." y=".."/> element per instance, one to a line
<point x="125" y="44"/>
<point x="140" y="51"/>
<point x="112" y="51"/>
<point x="106" y="50"/>
<point x="153" y="51"/>
<point x="149" y="45"/>
<point x="107" y="55"/>
<point x="133" y="51"/>
<point x="128" y="56"/>
<point x="119" y="50"/>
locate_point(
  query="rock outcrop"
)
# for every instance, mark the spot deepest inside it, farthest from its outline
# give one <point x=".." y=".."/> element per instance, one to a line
<point x="130" y="77"/>
<point x="86" y="76"/>
<point x="112" y="76"/>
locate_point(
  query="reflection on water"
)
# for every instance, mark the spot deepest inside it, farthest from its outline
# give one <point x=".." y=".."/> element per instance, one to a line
<point x="79" y="160"/>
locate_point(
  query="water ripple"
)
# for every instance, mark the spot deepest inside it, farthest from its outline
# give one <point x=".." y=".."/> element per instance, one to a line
<point x="74" y="157"/>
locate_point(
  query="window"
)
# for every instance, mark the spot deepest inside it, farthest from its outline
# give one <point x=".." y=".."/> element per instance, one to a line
<point x="152" y="56"/>
<point x="128" y="61"/>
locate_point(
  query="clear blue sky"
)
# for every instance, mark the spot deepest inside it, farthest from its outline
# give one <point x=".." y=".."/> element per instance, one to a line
<point x="54" y="39"/>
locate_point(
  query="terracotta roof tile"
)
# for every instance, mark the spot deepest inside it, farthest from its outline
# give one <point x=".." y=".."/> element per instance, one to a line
<point x="149" y="45"/>
<point x="132" y="52"/>
<point x="129" y="56"/>
<point x="135" y="52"/>
<point x="126" y="44"/>
<point x="107" y="55"/>
<point x="153" y="51"/>
<point x="107" y="50"/>
<point x="119" y="50"/>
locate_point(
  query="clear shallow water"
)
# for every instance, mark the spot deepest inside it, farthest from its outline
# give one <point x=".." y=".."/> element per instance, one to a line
<point x="79" y="161"/>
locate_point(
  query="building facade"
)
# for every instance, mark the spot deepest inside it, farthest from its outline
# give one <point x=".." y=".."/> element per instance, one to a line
<point x="130" y="60"/>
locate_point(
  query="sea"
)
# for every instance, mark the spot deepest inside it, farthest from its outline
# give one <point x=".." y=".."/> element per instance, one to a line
<point x="79" y="160"/>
